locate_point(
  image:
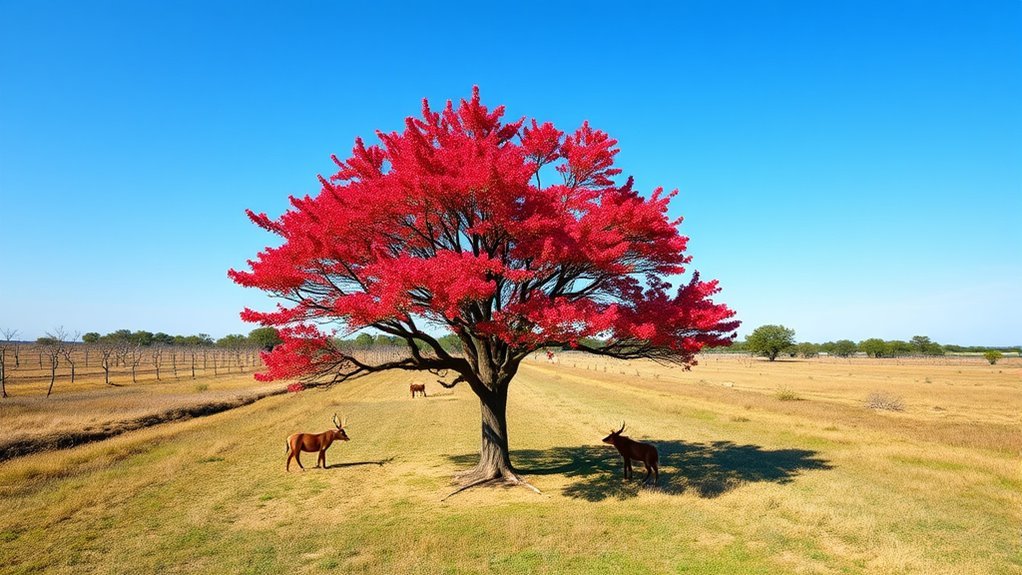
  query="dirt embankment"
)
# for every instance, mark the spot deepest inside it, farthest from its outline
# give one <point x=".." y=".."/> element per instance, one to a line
<point x="26" y="443"/>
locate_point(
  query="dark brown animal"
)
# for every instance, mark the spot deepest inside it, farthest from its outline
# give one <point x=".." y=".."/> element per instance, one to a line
<point x="418" y="388"/>
<point x="635" y="450"/>
<point x="300" y="442"/>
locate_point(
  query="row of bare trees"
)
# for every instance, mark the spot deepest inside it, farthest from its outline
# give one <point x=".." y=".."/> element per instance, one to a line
<point x="60" y="351"/>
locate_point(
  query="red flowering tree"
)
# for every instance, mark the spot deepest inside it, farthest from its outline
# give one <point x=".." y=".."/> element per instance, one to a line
<point x="455" y="222"/>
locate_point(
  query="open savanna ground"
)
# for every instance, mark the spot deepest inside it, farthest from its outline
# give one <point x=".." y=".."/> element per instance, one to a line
<point x="765" y="468"/>
<point x="90" y="410"/>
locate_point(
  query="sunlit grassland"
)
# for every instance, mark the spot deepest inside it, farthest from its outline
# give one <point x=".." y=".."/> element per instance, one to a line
<point x="89" y="411"/>
<point x="749" y="483"/>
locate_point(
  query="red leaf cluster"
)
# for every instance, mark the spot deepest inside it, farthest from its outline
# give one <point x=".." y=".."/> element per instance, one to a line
<point x="449" y="220"/>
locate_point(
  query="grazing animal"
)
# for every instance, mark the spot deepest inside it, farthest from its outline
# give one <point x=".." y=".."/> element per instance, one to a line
<point x="417" y="388"/>
<point x="635" y="450"/>
<point x="300" y="442"/>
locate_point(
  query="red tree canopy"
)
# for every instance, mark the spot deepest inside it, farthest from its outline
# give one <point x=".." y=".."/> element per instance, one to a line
<point x="454" y="221"/>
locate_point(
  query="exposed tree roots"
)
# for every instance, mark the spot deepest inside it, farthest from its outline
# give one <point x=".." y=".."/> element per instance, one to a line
<point x="476" y="477"/>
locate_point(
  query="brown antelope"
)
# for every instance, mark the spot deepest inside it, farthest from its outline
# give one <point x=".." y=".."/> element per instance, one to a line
<point x="631" y="449"/>
<point x="300" y="442"/>
<point x="417" y="388"/>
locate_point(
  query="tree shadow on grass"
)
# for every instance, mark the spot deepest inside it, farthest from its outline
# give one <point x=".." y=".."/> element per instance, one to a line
<point x="706" y="469"/>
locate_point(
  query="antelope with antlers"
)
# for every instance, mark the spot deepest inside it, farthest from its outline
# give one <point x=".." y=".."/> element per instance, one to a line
<point x="300" y="442"/>
<point x="635" y="450"/>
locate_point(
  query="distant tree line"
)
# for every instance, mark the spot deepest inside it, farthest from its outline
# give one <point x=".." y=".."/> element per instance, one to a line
<point x="771" y="341"/>
<point x="261" y="337"/>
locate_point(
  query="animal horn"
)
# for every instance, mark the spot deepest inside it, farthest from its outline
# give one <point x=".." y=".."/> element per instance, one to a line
<point x="344" y="422"/>
<point x="337" y="423"/>
<point x="622" y="427"/>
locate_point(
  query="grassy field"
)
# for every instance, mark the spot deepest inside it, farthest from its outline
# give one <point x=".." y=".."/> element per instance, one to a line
<point x="90" y="410"/>
<point x="766" y="468"/>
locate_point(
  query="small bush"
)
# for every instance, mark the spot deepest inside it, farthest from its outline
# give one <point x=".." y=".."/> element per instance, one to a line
<point x="992" y="356"/>
<point x="885" y="401"/>
<point x="786" y="394"/>
<point x="201" y="387"/>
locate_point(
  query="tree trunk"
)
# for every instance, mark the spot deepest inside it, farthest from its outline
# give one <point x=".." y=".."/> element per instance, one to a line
<point x="53" y="377"/>
<point x="494" y="456"/>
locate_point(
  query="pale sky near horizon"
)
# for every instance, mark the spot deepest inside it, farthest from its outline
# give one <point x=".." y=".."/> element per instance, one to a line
<point x="847" y="169"/>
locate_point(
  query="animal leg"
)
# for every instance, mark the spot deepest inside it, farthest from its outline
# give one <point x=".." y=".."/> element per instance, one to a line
<point x="290" y="455"/>
<point x="656" y="473"/>
<point x="298" y="458"/>
<point x="322" y="455"/>
<point x="649" y="471"/>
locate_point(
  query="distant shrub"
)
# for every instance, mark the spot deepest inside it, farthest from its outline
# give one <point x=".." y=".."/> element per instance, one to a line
<point x="201" y="387"/>
<point x="993" y="355"/>
<point x="885" y="401"/>
<point x="786" y="394"/>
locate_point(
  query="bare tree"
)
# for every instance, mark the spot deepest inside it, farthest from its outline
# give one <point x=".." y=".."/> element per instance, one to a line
<point x="136" y="359"/>
<point x="7" y="335"/>
<point x="3" y="368"/>
<point x="5" y="344"/>
<point x="106" y="353"/>
<point x="173" y="361"/>
<point x="67" y="349"/>
<point x="53" y="349"/>
<point x="121" y="353"/>
<point x="11" y="343"/>
<point x="157" y="353"/>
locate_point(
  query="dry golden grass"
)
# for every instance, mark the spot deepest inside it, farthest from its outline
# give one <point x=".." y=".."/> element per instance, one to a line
<point x="750" y="483"/>
<point x="33" y="422"/>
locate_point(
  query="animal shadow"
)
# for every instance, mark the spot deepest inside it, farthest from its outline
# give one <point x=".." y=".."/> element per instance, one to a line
<point x="381" y="463"/>
<point x="706" y="469"/>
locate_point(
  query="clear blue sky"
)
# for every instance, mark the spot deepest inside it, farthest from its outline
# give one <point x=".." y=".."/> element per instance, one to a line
<point x="849" y="169"/>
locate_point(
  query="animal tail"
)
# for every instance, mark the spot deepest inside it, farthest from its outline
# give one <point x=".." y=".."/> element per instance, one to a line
<point x="287" y="447"/>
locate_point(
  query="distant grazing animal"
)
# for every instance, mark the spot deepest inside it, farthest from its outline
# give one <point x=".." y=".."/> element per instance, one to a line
<point x="300" y="442"/>
<point x="631" y="449"/>
<point x="418" y="388"/>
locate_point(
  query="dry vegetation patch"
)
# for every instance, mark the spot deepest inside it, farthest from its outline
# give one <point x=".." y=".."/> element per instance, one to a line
<point x="885" y="401"/>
